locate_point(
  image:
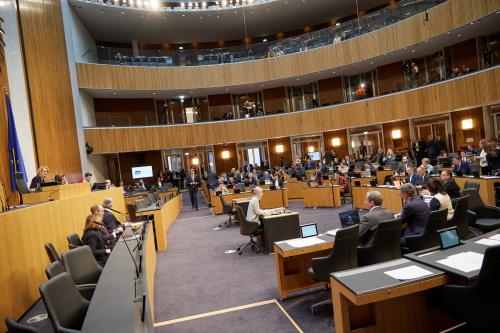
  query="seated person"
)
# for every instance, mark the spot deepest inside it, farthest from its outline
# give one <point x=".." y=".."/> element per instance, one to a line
<point x="322" y="168"/>
<point x="470" y="150"/>
<point x="267" y="177"/>
<point x="424" y="177"/>
<point x="319" y="179"/>
<point x="342" y="181"/>
<point x="64" y="180"/>
<point x="42" y="173"/>
<point x="130" y="191"/>
<point x="240" y="177"/>
<point x="143" y="186"/>
<point x="159" y="183"/>
<point x="369" y="223"/>
<point x="254" y="206"/>
<point x="343" y="167"/>
<point x="379" y="157"/>
<point x="231" y="182"/>
<point x="284" y="176"/>
<point x="216" y="183"/>
<point x="349" y="162"/>
<point x="459" y="165"/>
<point x="450" y="185"/>
<point x="441" y="199"/>
<point x="369" y="170"/>
<point x="426" y="163"/>
<point x="58" y="179"/>
<point x="109" y="219"/>
<point x="444" y="160"/>
<point x="309" y="165"/>
<point x="412" y="178"/>
<point x="277" y="181"/>
<point x="222" y="188"/>
<point x="297" y="174"/>
<point x="92" y="237"/>
<point x="415" y="212"/>
<point x="402" y="167"/>
<point x="108" y="235"/>
<point x="251" y="179"/>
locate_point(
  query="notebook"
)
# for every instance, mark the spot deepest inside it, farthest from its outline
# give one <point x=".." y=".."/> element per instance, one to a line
<point x="349" y="218"/>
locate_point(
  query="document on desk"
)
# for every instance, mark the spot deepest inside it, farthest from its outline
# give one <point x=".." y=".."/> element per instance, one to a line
<point x="408" y="273"/>
<point x="303" y="242"/>
<point x="495" y="237"/>
<point x="464" y="261"/>
<point x="488" y="241"/>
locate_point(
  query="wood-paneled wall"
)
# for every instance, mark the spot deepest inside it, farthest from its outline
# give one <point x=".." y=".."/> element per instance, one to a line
<point x="274" y="99"/>
<point x="274" y="158"/>
<point x="397" y="144"/>
<point x="445" y="17"/>
<point x="460" y="136"/>
<point x="470" y="90"/>
<point x="343" y="149"/>
<point x="330" y="90"/>
<point x="464" y="53"/>
<point x="219" y="105"/>
<point x="135" y="109"/>
<point x="50" y="85"/>
<point x="225" y="164"/>
<point x="388" y="74"/>
<point x="140" y="158"/>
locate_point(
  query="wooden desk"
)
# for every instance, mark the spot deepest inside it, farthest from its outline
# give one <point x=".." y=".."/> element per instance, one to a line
<point x="292" y="265"/>
<point x="381" y="175"/>
<point x="297" y="188"/>
<point x="309" y="173"/>
<point x="280" y="227"/>
<point x="392" y="200"/>
<point x="321" y="196"/>
<point x="231" y="190"/>
<point x="363" y="180"/>
<point x="486" y="189"/>
<point x="271" y="199"/>
<point x="57" y="192"/>
<point x="132" y="200"/>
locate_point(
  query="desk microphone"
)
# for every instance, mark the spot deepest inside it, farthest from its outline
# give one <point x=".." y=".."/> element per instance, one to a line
<point x="114" y="210"/>
<point x="49" y="199"/>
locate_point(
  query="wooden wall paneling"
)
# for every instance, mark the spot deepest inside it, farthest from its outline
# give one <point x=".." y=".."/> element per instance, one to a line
<point x="29" y="229"/>
<point x="397" y="144"/>
<point x="464" y="53"/>
<point x="222" y="164"/>
<point x="443" y="18"/>
<point x="461" y="136"/>
<point x="330" y="90"/>
<point x="219" y="105"/>
<point x="125" y="111"/>
<point x="274" y="99"/>
<point x="140" y="158"/>
<point x="274" y="158"/>
<point x="50" y="85"/>
<point x="389" y="74"/>
<point x="343" y="149"/>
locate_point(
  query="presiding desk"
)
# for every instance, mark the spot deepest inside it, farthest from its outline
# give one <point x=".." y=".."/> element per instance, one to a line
<point x="271" y="199"/>
<point x="322" y="196"/>
<point x="57" y="192"/>
<point x="163" y="219"/>
<point x="112" y="308"/>
<point x="392" y="200"/>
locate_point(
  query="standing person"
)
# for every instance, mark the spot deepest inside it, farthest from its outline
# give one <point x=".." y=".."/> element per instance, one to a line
<point x="42" y="173"/>
<point x="481" y="157"/>
<point x="418" y="151"/>
<point x="247" y="108"/>
<point x="282" y="162"/>
<point x="414" y="74"/>
<point x="193" y="181"/>
<point x="431" y="148"/>
<point x="493" y="159"/>
<point x="439" y="144"/>
<point x="260" y="109"/>
<point x="328" y="156"/>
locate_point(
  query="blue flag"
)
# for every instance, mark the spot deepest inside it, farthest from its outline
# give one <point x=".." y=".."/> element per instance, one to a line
<point x="15" y="157"/>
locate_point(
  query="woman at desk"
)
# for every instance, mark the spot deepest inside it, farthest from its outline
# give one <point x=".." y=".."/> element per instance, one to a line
<point x="277" y="182"/>
<point x="319" y="178"/>
<point x="251" y="179"/>
<point x="343" y="167"/>
<point x="390" y="155"/>
<point x="283" y="175"/>
<point x="222" y="189"/>
<point x="441" y="199"/>
<point x="254" y="206"/>
<point x="231" y="182"/>
<point x="92" y="237"/>
<point x="444" y="160"/>
<point x="42" y="173"/>
<point x="342" y="181"/>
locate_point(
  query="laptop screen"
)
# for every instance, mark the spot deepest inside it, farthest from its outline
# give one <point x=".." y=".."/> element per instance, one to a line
<point x="448" y="238"/>
<point x="349" y="218"/>
<point x="309" y="230"/>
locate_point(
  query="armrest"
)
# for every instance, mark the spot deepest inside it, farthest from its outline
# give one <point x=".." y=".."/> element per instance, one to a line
<point x="471" y="218"/>
<point x="86" y="290"/>
<point x="491" y="212"/>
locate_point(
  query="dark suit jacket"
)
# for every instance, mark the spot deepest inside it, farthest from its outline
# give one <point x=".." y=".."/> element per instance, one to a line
<point x="415" y="179"/>
<point x="415" y="215"/>
<point x="328" y="157"/>
<point x="239" y="178"/>
<point x="323" y="170"/>
<point x="93" y="239"/>
<point x="439" y="146"/>
<point x="252" y="181"/>
<point x="280" y="182"/>
<point x="193" y="182"/>
<point x="431" y="147"/>
<point x="248" y="168"/>
<point x="369" y="223"/>
<point x="422" y="181"/>
<point x="263" y="178"/>
<point x="451" y="187"/>
<point x="36" y="180"/>
<point x="402" y="168"/>
<point x="110" y="220"/>
<point x="464" y="167"/>
<point x="309" y="166"/>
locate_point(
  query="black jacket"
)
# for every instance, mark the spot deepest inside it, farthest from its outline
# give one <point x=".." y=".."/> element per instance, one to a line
<point x="451" y="187"/>
<point x="93" y="239"/>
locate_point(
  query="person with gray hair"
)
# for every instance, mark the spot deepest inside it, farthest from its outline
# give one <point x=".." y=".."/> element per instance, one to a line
<point x="109" y="219"/>
<point x="254" y="206"/>
<point x="415" y="212"/>
<point x="369" y="223"/>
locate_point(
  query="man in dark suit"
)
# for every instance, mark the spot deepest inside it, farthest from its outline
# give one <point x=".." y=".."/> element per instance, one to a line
<point x="109" y="219"/>
<point x="240" y="177"/>
<point x="192" y="181"/>
<point x="412" y="178"/>
<point x="309" y="164"/>
<point x="431" y="148"/>
<point x="369" y="222"/>
<point x="418" y="150"/>
<point x="144" y="186"/>
<point x="218" y="182"/>
<point x="450" y="185"/>
<point x="322" y="168"/>
<point x="225" y="177"/>
<point x="349" y="162"/>
<point x="439" y="144"/>
<point x="415" y="212"/>
<point x="460" y="165"/>
<point x="247" y="168"/>
<point x="404" y="164"/>
<point x="424" y="177"/>
<point x="328" y="157"/>
<point x="266" y="176"/>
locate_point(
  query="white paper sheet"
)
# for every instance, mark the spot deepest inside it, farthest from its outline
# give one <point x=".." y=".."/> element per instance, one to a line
<point x="495" y="237"/>
<point x="488" y="242"/>
<point x="303" y="242"/>
<point x="464" y="261"/>
<point x="408" y="273"/>
<point x="332" y="232"/>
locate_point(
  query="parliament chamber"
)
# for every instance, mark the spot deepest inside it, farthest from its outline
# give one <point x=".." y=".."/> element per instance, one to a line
<point x="197" y="126"/>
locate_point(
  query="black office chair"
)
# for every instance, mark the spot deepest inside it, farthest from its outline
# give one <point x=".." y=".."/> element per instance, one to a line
<point x="433" y="162"/>
<point x="387" y="179"/>
<point x="132" y="213"/>
<point x="140" y="204"/>
<point x="386" y="245"/>
<point x="394" y="165"/>
<point x="81" y="265"/>
<point x="74" y="241"/>
<point x="164" y="189"/>
<point x="156" y="196"/>
<point x="459" y="218"/>
<point x="52" y="253"/>
<point x="21" y="185"/>
<point x="342" y="257"/>
<point x="86" y="290"/>
<point x="251" y="229"/>
<point x="14" y="327"/>
<point x="228" y="209"/>
<point x="65" y="306"/>
<point x="469" y="184"/>
<point x="486" y="218"/>
<point x="429" y="238"/>
<point x="477" y="304"/>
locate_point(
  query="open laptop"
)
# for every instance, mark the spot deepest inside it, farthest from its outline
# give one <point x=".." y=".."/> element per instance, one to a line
<point x="349" y="218"/>
<point x="448" y="238"/>
<point x="476" y="174"/>
<point x="373" y="182"/>
<point x="308" y="230"/>
<point x="459" y="173"/>
<point x="237" y="190"/>
<point x="357" y="183"/>
<point x="272" y="187"/>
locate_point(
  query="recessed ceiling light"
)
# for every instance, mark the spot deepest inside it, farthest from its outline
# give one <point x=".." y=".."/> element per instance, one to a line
<point x="333" y="72"/>
<point x="412" y="50"/>
<point x="114" y="93"/>
<point x="371" y="63"/>
<point x="459" y="35"/>
<point x="183" y="15"/>
<point x="227" y="89"/>
<point x="297" y="79"/>
<point x="123" y="13"/>
<point x="154" y="93"/>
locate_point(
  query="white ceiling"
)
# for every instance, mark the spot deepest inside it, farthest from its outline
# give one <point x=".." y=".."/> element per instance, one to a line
<point x="117" y="24"/>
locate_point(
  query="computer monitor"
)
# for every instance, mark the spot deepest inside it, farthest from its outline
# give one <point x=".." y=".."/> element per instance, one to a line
<point x="99" y="186"/>
<point x="230" y="186"/>
<point x="476" y="174"/>
<point x="349" y="218"/>
<point x="448" y="237"/>
<point x="380" y="168"/>
<point x="325" y="177"/>
<point x="446" y="164"/>
<point x="261" y="182"/>
<point x="373" y="182"/>
<point x="309" y="230"/>
<point x="217" y="193"/>
<point x="48" y="184"/>
<point x="357" y="183"/>
<point x="272" y="187"/>
<point x="459" y="173"/>
<point x="237" y="190"/>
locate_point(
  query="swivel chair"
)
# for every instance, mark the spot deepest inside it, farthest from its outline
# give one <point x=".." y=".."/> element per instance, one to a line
<point x="251" y="229"/>
<point x="486" y="218"/>
<point x="429" y="238"/>
<point x="229" y="210"/>
<point x="342" y="257"/>
<point x="86" y="290"/>
<point x="21" y="185"/>
<point x="459" y="218"/>
<point x="386" y="245"/>
<point x="132" y="214"/>
<point x="14" y="327"/>
<point x="81" y="265"/>
<point x="52" y="253"/>
<point x="469" y="184"/>
<point x="74" y="241"/>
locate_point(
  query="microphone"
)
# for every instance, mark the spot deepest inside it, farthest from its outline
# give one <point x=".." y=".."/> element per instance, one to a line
<point x="126" y="219"/>
<point x="49" y="199"/>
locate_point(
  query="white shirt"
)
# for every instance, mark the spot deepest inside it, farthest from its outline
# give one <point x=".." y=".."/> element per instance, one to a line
<point x="277" y="183"/>
<point x="254" y="209"/>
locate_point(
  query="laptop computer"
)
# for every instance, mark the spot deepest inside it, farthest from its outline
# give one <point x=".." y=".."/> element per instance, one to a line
<point x="358" y="175"/>
<point x="272" y="187"/>
<point x="373" y="182"/>
<point x="313" y="184"/>
<point x="237" y="190"/>
<point x="446" y="164"/>
<point x="325" y="177"/>
<point x="459" y="173"/>
<point x="476" y="174"/>
<point x="357" y="183"/>
<point x="53" y="184"/>
<point x="218" y="193"/>
<point x="230" y="186"/>
<point x="380" y="168"/>
<point x="448" y="238"/>
<point x="308" y="230"/>
<point x="261" y="182"/>
<point x="349" y="218"/>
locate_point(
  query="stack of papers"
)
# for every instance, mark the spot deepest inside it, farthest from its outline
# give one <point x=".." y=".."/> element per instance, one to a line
<point x="332" y="232"/>
<point x="303" y="242"/>
<point x="464" y="261"/>
<point x="493" y="240"/>
<point x="408" y="273"/>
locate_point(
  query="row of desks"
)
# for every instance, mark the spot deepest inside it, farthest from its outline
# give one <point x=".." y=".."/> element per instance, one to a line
<point x="57" y="192"/>
<point x="132" y="199"/>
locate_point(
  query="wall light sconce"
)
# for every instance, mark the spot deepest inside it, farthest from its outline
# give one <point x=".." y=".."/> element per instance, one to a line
<point x="311" y="149"/>
<point x="466" y="124"/>
<point x="225" y="154"/>
<point x="279" y="148"/>
<point x="396" y="134"/>
<point x="195" y="161"/>
<point x="336" y="142"/>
